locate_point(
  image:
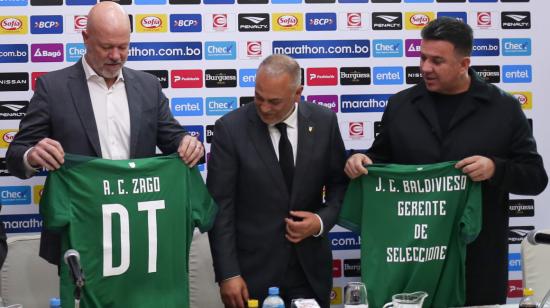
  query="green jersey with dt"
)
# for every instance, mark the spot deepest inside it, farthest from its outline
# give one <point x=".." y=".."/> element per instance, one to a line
<point x="415" y="222"/>
<point x="132" y="222"/>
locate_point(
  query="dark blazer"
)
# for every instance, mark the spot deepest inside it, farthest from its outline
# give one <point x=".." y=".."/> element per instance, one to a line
<point x="489" y="122"/>
<point x="61" y="109"/>
<point x="245" y="180"/>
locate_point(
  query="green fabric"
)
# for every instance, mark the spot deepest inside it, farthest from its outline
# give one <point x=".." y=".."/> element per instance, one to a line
<point x="76" y="200"/>
<point x="379" y="212"/>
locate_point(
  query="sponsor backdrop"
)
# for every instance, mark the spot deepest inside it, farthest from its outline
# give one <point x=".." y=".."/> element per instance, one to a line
<point x="354" y="54"/>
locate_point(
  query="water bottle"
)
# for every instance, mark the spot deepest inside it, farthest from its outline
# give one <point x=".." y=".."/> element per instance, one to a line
<point x="55" y="302"/>
<point x="273" y="300"/>
<point x="528" y="301"/>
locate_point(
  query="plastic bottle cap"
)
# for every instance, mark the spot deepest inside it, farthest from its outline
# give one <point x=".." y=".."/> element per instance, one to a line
<point x="528" y="292"/>
<point x="54" y="301"/>
<point x="273" y="291"/>
<point x="253" y="303"/>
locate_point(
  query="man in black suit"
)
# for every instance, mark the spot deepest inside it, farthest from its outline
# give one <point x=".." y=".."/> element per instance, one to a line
<point x="97" y="107"/>
<point x="269" y="163"/>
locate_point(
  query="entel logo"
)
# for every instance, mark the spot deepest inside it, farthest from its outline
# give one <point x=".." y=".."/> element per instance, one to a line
<point x="354" y="20"/>
<point x="8" y="136"/>
<point x="11" y="24"/>
<point x="219" y="21"/>
<point x="484" y="18"/>
<point x="356" y="129"/>
<point x="151" y="22"/>
<point x="419" y="19"/>
<point x="287" y="21"/>
<point x="254" y="48"/>
<point x="80" y="22"/>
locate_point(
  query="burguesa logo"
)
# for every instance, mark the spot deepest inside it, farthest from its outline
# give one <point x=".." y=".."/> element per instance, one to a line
<point x="80" y="22"/>
<point x="219" y="21"/>
<point x="522" y="98"/>
<point x="8" y="137"/>
<point x="151" y="22"/>
<point x="483" y="18"/>
<point x="419" y="19"/>
<point x="11" y="24"/>
<point x="254" y="48"/>
<point x="354" y="19"/>
<point x="287" y="21"/>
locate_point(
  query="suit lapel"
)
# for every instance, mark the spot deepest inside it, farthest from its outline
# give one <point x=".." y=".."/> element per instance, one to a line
<point x="83" y="104"/>
<point x="306" y="141"/>
<point x="133" y="93"/>
<point x="261" y="140"/>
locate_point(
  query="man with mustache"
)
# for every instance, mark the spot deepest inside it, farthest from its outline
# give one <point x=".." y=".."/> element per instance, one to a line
<point x="97" y="107"/>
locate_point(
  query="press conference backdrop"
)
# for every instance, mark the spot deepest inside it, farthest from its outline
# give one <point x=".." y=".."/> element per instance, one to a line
<point x="354" y="53"/>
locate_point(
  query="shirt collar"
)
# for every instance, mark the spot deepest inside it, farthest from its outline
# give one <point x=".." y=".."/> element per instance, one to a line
<point x="292" y="120"/>
<point x="90" y="73"/>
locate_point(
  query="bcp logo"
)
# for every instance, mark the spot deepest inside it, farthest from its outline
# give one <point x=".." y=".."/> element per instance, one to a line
<point x="320" y="21"/>
<point x="417" y="20"/>
<point x="185" y="23"/>
<point x="186" y="78"/>
<point x="37" y="193"/>
<point x="151" y="23"/>
<point x="220" y="22"/>
<point x="13" y="25"/>
<point x="34" y="78"/>
<point x="516" y="73"/>
<point x="462" y="16"/>
<point x="356" y="129"/>
<point x="322" y="76"/>
<point x="46" y="24"/>
<point x="254" y="49"/>
<point x="524" y="98"/>
<point x="15" y="195"/>
<point x="288" y="22"/>
<point x="195" y="131"/>
<point x="47" y="52"/>
<point x="186" y="106"/>
<point x="329" y="101"/>
<point x="336" y="268"/>
<point x="515" y="288"/>
<point x="7" y="137"/>
<point x="516" y="46"/>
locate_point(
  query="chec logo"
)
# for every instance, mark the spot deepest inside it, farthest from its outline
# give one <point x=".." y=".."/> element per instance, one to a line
<point x="13" y="24"/>
<point x="354" y="20"/>
<point x="254" y="48"/>
<point x="219" y="22"/>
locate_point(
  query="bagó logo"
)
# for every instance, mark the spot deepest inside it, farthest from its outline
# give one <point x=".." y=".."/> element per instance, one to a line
<point x="47" y="52"/>
<point x="412" y="47"/>
<point x="13" y="25"/>
<point x="151" y="23"/>
<point x="321" y="21"/>
<point x="329" y="101"/>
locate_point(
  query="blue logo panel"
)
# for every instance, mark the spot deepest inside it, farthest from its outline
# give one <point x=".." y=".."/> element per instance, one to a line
<point x="14" y="2"/>
<point x="220" y="105"/>
<point x="25" y="223"/>
<point x="219" y="1"/>
<point x="516" y="46"/>
<point x="323" y="48"/>
<point x="364" y="103"/>
<point x="15" y="195"/>
<point x="147" y="51"/>
<point x="185" y="23"/>
<point x="220" y="50"/>
<point x="247" y="77"/>
<point x="387" y="48"/>
<point x="462" y="16"/>
<point x="46" y="24"/>
<point x="80" y="2"/>
<point x="344" y="240"/>
<point x="74" y="51"/>
<point x="195" y="131"/>
<point x="517" y="73"/>
<point x="186" y="106"/>
<point x="14" y="53"/>
<point x="514" y="262"/>
<point x="486" y="47"/>
<point x="321" y="22"/>
<point x="387" y="75"/>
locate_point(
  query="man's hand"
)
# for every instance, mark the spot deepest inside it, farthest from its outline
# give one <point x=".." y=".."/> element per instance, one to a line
<point x="47" y="153"/>
<point x="355" y="165"/>
<point x="190" y="150"/>
<point x="478" y="168"/>
<point x="234" y="292"/>
<point x="305" y="226"/>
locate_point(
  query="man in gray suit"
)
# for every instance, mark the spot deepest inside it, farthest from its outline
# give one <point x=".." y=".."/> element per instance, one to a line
<point x="269" y="163"/>
<point x="99" y="108"/>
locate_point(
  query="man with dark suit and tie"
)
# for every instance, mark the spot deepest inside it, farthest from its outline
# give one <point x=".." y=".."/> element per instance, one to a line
<point x="269" y="163"/>
<point x="97" y="107"/>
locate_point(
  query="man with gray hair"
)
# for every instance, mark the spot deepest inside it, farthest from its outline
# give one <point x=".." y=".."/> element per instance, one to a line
<point x="269" y="163"/>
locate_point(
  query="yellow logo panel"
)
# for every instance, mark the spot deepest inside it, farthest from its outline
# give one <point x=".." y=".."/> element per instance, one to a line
<point x="37" y="193"/>
<point x="417" y="20"/>
<point x="151" y="23"/>
<point x="13" y="25"/>
<point x="7" y="136"/>
<point x="336" y="296"/>
<point x="287" y="22"/>
<point x="524" y="98"/>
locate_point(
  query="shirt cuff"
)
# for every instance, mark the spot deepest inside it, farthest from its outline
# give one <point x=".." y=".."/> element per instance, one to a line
<point x="29" y="170"/>
<point x="320" y="222"/>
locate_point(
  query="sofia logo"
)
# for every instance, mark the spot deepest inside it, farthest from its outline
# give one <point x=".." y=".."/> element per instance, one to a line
<point x="287" y="21"/>
<point x="11" y="24"/>
<point x="80" y="22"/>
<point x="254" y="48"/>
<point x="356" y="129"/>
<point x="151" y="22"/>
<point x="354" y="20"/>
<point x="419" y="19"/>
<point x="521" y="98"/>
<point x="8" y="137"/>
<point x="483" y="18"/>
<point x="219" y="21"/>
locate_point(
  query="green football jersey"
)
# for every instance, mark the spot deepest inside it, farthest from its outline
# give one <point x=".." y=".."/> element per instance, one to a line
<point x="132" y="222"/>
<point x="415" y="222"/>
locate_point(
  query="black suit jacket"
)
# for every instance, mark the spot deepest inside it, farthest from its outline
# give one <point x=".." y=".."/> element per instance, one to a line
<point x="244" y="178"/>
<point x="61" y="109"/>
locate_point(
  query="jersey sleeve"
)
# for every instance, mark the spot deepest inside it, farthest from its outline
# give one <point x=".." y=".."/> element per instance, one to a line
<point x="352" y="208"/>
<point x="203" y="208"/>
<point x="55" y="202"/>
<point x="471" y="219"/>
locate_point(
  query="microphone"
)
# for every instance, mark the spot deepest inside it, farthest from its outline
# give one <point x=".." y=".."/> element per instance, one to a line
<point x="538" y="237"/>
<point x="72" y="259"/>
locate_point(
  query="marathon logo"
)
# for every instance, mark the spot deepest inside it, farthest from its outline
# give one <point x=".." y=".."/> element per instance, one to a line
<point x="253" y="22"/>
<point x="517" y="234"/>
<point x="344" y="240"/>
<point x="25" y="223"/>
<point x="221" y="78"/>
<point x="352" y="268"/>
<point x="13" y="110"/>
<point x="486" y="47"/>
<point x="162" y="76"/>
<point x="516" y="20"/>
<point x="355" y="76"/>
<point x="521" y="207"/>
<point x="489" y="73"/>
<point x="14" y="81"/>
<point x="462" y="16"/>
<point x="363" y="103"/>
<point x="387" y="21"/>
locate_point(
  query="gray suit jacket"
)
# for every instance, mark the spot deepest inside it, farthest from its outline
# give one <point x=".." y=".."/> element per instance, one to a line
<point x="61" y="109"/>
<point x="245" y="180"/>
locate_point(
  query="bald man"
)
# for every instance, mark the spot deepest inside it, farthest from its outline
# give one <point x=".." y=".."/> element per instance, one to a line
<point x="97" y="107"/>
